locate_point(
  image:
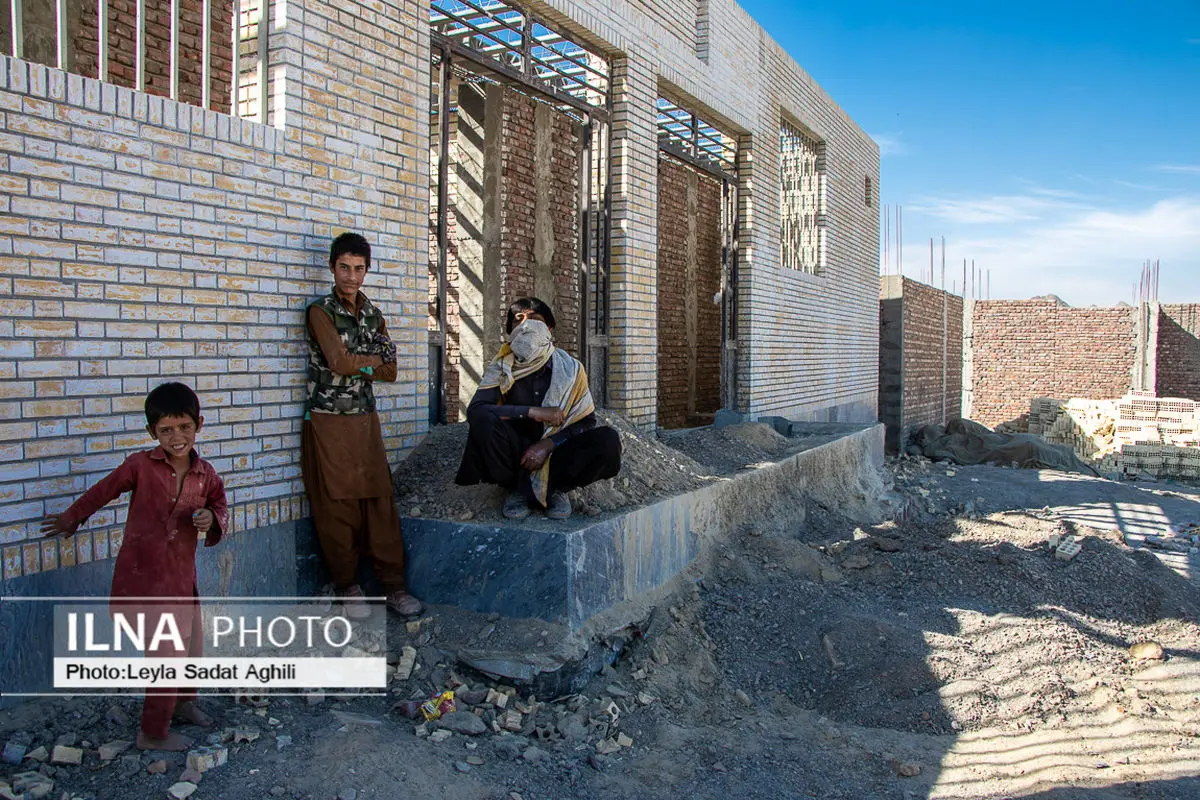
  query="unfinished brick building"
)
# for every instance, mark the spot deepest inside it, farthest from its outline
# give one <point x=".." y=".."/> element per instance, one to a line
<point x="609" y="173"/>
<point x="686" y="195"/>
<point x="920" y="357"/>
<point x="1017" y="350"/>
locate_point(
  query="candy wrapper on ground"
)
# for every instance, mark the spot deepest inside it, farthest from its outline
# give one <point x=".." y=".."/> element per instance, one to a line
<point x="436" y="706"/>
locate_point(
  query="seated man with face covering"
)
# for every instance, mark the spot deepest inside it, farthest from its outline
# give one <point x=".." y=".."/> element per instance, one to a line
<point x="533" y="423"/>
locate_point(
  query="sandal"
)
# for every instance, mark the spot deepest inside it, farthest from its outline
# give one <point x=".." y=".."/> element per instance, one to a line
<point x="355" y="603"/>
<point x="404" y="603"/>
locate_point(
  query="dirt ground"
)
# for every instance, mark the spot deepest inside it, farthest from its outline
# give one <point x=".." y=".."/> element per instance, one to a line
<point x="651" y="468"/>
<point x="945" y="655"/>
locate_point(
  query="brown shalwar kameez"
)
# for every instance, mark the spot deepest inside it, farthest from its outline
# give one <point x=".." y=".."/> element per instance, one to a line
<point x="347" y="476"/>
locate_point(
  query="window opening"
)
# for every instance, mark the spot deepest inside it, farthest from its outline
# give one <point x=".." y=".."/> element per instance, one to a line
<point x="801" y="200"/>
<point x="682" y="133"/>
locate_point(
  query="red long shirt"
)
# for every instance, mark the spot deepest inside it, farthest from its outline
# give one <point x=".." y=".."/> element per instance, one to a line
<point x="158" y="554"/>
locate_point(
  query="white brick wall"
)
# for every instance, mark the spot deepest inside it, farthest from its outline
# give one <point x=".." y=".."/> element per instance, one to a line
<point x="143" y="240"/>
<point x="809" y="343"/>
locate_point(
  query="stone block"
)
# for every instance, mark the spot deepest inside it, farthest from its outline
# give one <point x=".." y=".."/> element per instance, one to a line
<point x="408" y="659"/>
<point x="66" y="755"/>
<point x="1067" y="549"/>
<point x="725" y="418"/>
<point x="182" y="790"/>
<point x="111" y="750"/>
<point x="13" y="753"/>
<point x="202" y="759"/>
<point x="782" y="425"/>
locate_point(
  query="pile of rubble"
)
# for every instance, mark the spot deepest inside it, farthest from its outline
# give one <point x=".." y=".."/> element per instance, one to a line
<point x="1139" y="435"/>
<point x="449" y="681"/>
<point x="443" y="700"/>
<point x="1086" y="426"/>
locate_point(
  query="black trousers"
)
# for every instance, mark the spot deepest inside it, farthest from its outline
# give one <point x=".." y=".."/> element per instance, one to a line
<point x="495" y="447"/>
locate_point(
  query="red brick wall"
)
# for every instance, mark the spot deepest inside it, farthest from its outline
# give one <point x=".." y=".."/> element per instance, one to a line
<point x="1178" y="355"/>
<point x="1024" y="349"/>
<point x="680" y="403"/>
<point x="932" y="376"/>
<point x="518" y="204"/>
<point x="518" y="210"/>
<point x="122" y="27"/>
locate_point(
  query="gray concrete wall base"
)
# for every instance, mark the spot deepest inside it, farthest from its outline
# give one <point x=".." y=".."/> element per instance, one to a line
<point x="570" y="574"/>
<point x="858" y="410"/>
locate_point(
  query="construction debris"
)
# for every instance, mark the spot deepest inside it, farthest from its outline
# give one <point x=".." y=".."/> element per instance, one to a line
<point x="1137" y="436"/>
<point x="1067" y="548"/>
<point x="202" y="759"/>
<point x="1146" y="651"/>
<point x="66" y="755"/>
<point x="181" y="790"/>
<point x="113" y="749"/>
<point x="13" y="753"/>
<point x="906" y="769"/>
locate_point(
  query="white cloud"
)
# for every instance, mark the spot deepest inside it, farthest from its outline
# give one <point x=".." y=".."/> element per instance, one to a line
<point x="890" y="144"/>
<point x="992" y="210"/>
<point x="1141" y="187"/>
<point x="1086" y="255"/>
<point x="1179" y="169"/>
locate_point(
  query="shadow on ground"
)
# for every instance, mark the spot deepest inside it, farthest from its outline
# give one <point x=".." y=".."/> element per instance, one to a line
<point x="971" y="650"/>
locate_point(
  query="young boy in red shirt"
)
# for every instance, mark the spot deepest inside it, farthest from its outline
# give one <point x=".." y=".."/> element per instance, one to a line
<point x="177" y="498"/>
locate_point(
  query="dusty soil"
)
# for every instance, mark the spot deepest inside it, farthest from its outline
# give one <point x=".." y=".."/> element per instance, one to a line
<point x="945" y="655"/>
<point x="651" y="468"/>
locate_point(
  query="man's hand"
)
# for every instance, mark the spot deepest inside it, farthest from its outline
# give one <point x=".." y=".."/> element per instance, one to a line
<point x="56" y="525"/>
<point x="385" y="347"/>
<point x="537" y="454"/>
<point x="203" y="520"/>
<point x="547" y="415"/>
<point x="377" y="344"/>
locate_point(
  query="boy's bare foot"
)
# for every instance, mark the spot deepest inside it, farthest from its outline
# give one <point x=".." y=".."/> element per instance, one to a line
<point x="175" y="742"/>
<point x="192" y="714"/>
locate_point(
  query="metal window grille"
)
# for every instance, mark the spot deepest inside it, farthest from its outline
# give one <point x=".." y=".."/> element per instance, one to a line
<point x="801" y="200"/>
<point x="684" y="134"/>
<point x="518" y="45"/>
<point x="144" y="12"/>
<point x="250" y="42"/>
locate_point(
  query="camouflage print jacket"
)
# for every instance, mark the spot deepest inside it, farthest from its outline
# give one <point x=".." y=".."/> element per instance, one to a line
<point x="328" y="392"/>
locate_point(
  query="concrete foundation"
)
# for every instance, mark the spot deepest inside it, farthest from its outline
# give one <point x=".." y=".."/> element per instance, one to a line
<point x="569" y="572"/>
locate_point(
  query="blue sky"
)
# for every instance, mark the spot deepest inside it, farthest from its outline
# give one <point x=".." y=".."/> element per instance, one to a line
<point x="1055" y="143"/>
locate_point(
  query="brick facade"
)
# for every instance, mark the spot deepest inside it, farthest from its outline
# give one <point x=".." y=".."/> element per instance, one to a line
<point x="689" y="276"/>
<point x="1023" y="349"/>
<point x="808" y="344"/>
<point x="539" y="187"/>
<point x="932" y="354"/>
<point x="144" y="240"/>
<point x="811" y="343"/>
<point x="920" y="360"/>
<point x="1178" y="356"/>
<point x="532" y="195"/>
